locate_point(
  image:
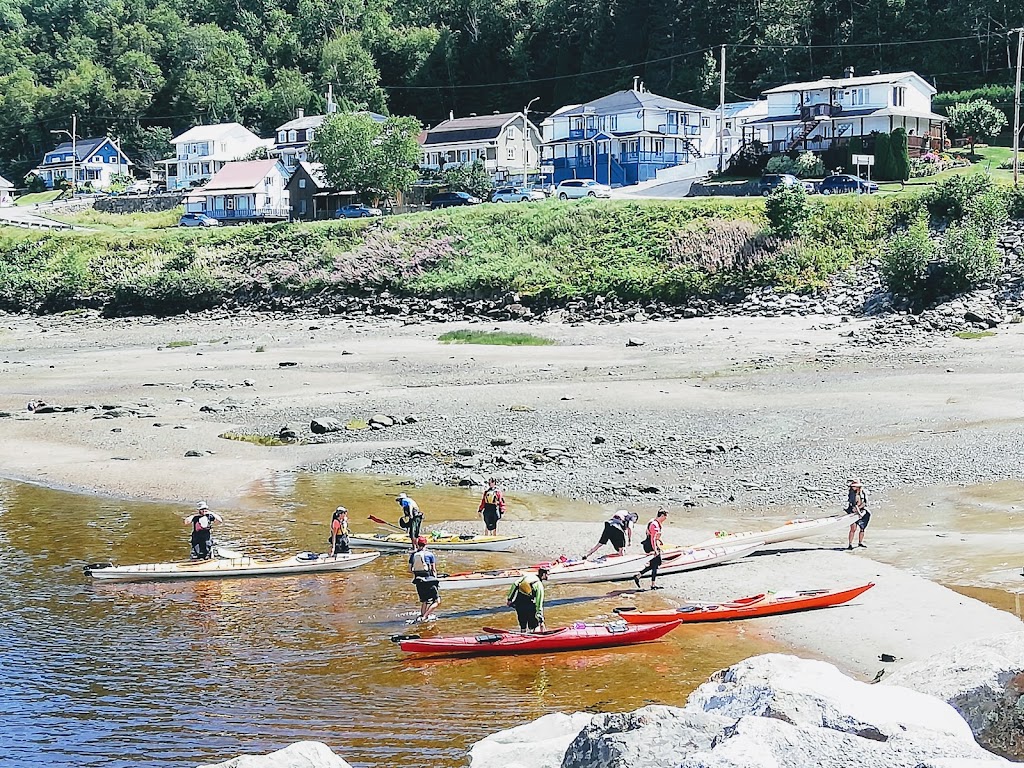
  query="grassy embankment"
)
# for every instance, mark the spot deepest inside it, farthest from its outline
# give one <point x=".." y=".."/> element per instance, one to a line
<point x="667" y="250"/>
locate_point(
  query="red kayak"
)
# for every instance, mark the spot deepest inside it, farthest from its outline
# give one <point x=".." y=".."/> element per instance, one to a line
<point x="767" y="604"/>
<point x="574" y="638"/>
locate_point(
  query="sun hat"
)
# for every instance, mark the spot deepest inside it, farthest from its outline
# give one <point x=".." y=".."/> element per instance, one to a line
<point x="201" y="505"/>
<point x="401" y="496"/>
<point x="341" y="509"/>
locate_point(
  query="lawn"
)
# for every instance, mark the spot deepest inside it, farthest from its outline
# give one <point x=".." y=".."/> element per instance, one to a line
<point x="33" y="198"/>
<point x="495" y="337"/>
<point x="123" y="222"/>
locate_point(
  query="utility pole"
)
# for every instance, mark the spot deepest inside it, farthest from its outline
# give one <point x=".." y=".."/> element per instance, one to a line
<point x="526" y="134"/>
<point x="721" y="114"/>
<point x="1016" y="109"/>
<point x="73" y="134"/>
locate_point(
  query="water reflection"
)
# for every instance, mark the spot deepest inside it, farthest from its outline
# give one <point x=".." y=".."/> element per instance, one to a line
<point x="181" y="673"/>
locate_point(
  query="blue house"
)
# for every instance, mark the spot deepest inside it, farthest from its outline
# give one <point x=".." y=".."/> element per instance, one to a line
<point x="95" y="163"/>
<point x="626" y="137"/>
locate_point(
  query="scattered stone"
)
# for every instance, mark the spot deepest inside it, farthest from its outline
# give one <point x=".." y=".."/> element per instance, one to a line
<point x="211" y="408"/>
<point x="184" y="400"/>
<point x="287" y="434"/>
<point x="417" y="451"/>
<point x="650" y="489"/>
<point x="632" y="342"/>
<point x="116" y="429"/>
<point x="411" y="419"/>
<point x="193" y="454"/>
<point x="381" y="420"/>
<point x="568" y="397"/>
<point x="248" y="383"/>
<point x="599" y="439"/>
<point x="325" y="424"/>
<point x="287" y="364"/>
<point x="180" y="426"/>
<point x="521" y="409"/>
<point x="209" y="384"/>
<point x="358" y="463"/>
<point x="499" y="441"/>
<point x="472" y="479"/>
<point x="470" y="462"/>
<point x="466" y="451"/>
<point x="307" y="754"/>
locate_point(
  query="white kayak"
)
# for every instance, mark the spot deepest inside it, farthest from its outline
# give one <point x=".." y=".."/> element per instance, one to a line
<point x="607" y="568"/>
<point x="225" y="567"/>
<point x="679" y="560"/>
<point x="399" y="542"/>
<point x="794" y="529"/>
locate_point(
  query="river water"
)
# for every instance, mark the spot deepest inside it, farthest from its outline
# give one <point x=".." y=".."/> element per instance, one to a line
<point x="179" y="674"/>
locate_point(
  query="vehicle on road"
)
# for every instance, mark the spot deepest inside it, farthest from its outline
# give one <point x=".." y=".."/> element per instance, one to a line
<point x="450" y="199"/>
<point x="573" y="189"/>
<point x="357" y="211"/>
<point x="516" y="195"/>
<point x="769" y="182"/>
<point x="197" y="220"/>
<point x="839" y="183"/>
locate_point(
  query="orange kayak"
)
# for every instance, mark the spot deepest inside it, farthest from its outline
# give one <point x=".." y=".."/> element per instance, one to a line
<point x="767" y="604"/>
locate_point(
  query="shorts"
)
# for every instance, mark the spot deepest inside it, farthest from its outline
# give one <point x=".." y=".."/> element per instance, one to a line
<point x="864" y="520"/>
<point x="614" y="536"/>
<point x="491" y="519"/>
<point x="426" y="589"/>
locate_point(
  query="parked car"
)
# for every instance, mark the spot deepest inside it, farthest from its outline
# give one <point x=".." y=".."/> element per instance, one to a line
<point x="572" y="189"/>
<point x="357" y="211"/>
<point x="516" y="195"/>
<point x="142" y="187"/>
<point x="839" y="183"/>
<point x="769" y="182"/>
<point x="449" y="199"/>
<point x="197" y="220"/>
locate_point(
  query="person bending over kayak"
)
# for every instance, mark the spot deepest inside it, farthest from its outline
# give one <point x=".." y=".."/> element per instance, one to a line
<point x="527" y="597"/>
<point x="201" y="522"/>
<point x="652" y="546"/>
<point x="339" y="544"/>
<point x="492" y="507"/>
<point x="423" y="565"/>
<point x="857" y="504"/>
<point x="618" y="530"/>
<point x="411" y="518"/>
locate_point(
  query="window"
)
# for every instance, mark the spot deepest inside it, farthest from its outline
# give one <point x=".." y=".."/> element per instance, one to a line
<point x="293" y="135"/>
<point x="613" y="122"/>
<point x="859" y="97"/>
<point x="309" y="134"/>
<point x="302" y="183"/>
<point x="463" y="156"/>
<point x="511" y="153"/>
<point x="705" y="122"/>
<point x="510" y="132"/>
<point x="577" y="123"/>
<point x="659" y="146"/>
<point x="281" y="137"/>
<point x="590" y="122"/>
<point x="673" y="118"/>
<point x="899" y="96"/>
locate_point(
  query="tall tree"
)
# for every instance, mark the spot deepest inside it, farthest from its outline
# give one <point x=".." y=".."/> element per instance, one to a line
<point x="976" y="120"/>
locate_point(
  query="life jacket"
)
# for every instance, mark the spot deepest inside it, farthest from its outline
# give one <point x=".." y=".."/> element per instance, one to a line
<point x="528" y="585"/>
<point x="201" y="523"/>
<point x="419" y="562"/>
<point x="339" y="527"/>
<point x="491" y="497"/>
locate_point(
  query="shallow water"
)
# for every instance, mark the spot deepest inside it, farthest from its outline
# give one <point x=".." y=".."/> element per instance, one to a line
<point x="177" y="674"/>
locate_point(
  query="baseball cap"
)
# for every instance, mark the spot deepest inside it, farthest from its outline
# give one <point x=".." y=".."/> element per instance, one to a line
<point x="401" y="496"/>
<point x="421" y="539"/>
<point x="341" y="509"/>
<point x="201" y="505"/>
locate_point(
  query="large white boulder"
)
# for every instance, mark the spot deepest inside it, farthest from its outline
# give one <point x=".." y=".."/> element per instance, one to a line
<point x="301" y="754"/>
<point x="538" y="744"/>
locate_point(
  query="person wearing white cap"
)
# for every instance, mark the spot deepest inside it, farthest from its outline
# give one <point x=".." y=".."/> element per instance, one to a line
<point x="857" y="504"/>
<point x="339" y="532"/>
<point x="201" y="522"/>
<point x="411" y="518"/>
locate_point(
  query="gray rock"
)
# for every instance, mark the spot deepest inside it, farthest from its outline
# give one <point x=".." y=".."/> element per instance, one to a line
<point x="302" y="754"/>
<point x="287" y="433"/>
<point x="632" y="342"/>
<point x="287" y="364"/>
<point x="599" y="439"/>
<point x="381" y="420"/>
<point x="357" y="464"/>
<point x="325" y="424"/>
<point x="210" y="384"/>
<point x="248" y="383"/>
<point x="193" y="454"/>
<point x="417" y="451"/>
<point x="211" y="408"/>
<point x="471" y="479"/>
<point x="411" y="419"/>
<point x="501" y="440"/>
<point x="465" y="451"/>
<point x="468" y="462"/>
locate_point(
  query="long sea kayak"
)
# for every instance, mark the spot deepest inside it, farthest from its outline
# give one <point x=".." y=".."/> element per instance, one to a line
<point x="398" y="542"/>
<point x="226" y="567"/>
<point x="607" y="568"/>
<point x="679" y="560"/>
<point x="794" y="529"/>
<point x="767" y="604"/>
<point x="574" y="638"/>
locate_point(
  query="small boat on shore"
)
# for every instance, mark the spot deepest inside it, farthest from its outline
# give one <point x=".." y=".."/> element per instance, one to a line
<point x="608" y="568"/>
<point x="679" y="560"/>
<point x="574" y="638"/>
<point x="767" y="604"/>
<point x="399" y="542"/>
<point x="794" y="529"/>
<point x="237" y="565"/>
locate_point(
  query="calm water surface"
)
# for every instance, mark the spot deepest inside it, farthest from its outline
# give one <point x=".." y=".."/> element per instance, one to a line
<point x="177" y="674"/>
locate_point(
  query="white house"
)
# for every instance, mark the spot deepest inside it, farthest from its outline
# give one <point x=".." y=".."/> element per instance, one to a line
<point x="626" y="137"/>
<point x="499" y="141"/>
<point x="251" y="190"/>
<point x="94" y="162"/>
<point x="815" y="115"/>
<point x="292" y="140"/>
<point x="737" y="115"/>
<point x="6" y="192"/>
<point x="202" y="151"/>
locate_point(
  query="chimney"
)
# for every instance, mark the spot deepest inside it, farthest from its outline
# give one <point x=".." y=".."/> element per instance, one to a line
<point x="848" y="72"/>
<point x="472" y="114"/>
<point x="300" y="112"/>
<point x="331" y="106"/>
<point x="451" y="114"/>
<point x="636" y="83"/>
<point x="642" y="88"/>
<point x="876" y="72"/>
<point x="495" y="112"/>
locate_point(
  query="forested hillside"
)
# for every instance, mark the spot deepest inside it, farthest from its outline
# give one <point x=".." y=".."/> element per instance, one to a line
<point x="140" y="69"/>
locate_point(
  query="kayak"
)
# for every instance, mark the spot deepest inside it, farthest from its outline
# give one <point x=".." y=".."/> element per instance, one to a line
<point x="608" y="568"/>
<point x="767" y="604"/>
<point x="225" y="567"/>
<point x="794" y="529"/>
<point x="574" y="638"/>
<point x="399" y="542"/>
<point x="679" y="560"/>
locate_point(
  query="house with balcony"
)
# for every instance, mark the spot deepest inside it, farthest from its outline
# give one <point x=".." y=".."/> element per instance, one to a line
<point x="6" y="193"/>
<point x="95" y="162"/>
<point x="292" y="140"/>
<point x="819" y="114"/>
<point x="506" y="143"/>
<point x="736" y="116"/>
<point x="244" y="191"/>
<point x="202" y="151"/>
<point x="626" y="137"/>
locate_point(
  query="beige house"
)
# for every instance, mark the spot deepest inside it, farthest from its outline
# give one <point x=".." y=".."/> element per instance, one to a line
<point x="499" y="141"/>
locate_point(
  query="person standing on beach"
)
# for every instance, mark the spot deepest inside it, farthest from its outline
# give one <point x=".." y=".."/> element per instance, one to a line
<point x="411" y="518"/>
<point x="492" y="507"/>
<point x="857" y="504"/>
<point x="618" y="531"/>
<point x="339" y="542"/>
<point x="201" y="522"/>
<point x="652" y="546"/>
<point x="423" y="565"/>
<point x="527" y="597"/>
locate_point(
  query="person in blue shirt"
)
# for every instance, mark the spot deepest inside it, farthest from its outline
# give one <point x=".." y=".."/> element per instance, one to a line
<point x="411" y="518"/>
<point x="423" y="566"/>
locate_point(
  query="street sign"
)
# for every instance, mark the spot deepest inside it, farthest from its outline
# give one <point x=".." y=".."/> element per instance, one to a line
<point x="547" y="169"/>
<point x="863" y="159"/>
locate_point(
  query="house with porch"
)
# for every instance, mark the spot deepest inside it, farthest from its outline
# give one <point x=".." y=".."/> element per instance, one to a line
<point x="311" y="196"/>
<point x="202" y="151"/>
<point x="506" y="143"/>
<point x="292" y="140"/>
<point x="736" y="116"/>
<point x="244" y="191"/>
<point x="95" y="162"/>
<point x="6" y="193"/>
<point x="626" y="137"/>
<point x="819" y="114"/>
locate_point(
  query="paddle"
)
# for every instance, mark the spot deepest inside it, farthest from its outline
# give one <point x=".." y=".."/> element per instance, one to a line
<point x="624" y="609"/>
<point x="400" y="638"/>
<point x="386" y="523"/>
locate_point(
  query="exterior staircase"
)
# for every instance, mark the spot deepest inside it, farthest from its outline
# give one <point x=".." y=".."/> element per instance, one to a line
<point x="802" y="134"/>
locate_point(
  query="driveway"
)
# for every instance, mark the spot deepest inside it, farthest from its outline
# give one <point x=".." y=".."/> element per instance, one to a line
<point x="25" y="217"/>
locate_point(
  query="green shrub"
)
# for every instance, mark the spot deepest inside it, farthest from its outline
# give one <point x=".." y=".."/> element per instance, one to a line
<point x="1015" y="202"/>
<point x="969" y="256"/>
<point x="950" y="198"/>
<point x="883" y="168"/>
<point x="905" y="258"/>
<point x="988" y="211"/>
<point x="900" y="154"/>
<point x="809" y="165"/>
<point x="788" y="208"/>
<point x="166" y="293"/>
<point x="781" y="164"/>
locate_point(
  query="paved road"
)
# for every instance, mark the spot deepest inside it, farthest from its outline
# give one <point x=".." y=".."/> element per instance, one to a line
<point x="670" y="190"/>
<point x="26" y="217"/>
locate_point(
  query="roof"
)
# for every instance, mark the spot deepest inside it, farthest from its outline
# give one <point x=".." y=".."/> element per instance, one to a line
<point x="208" y="132"/>
<point x="5" y="184"/>
<point x="746" y="108"/>
<point x="838" y="117"/>
<point x="629" y="101"/>
<point x="315" y="121"/>
<point x="315" y="171"/>
<point x="83" y="147"/>
<point x="240" y="175"/>
<point x="475" y="128"/>
<point x="851" y="82"/>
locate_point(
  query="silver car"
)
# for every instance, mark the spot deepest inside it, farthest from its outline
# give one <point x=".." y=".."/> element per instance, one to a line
<point x="572" y="189"/>
<point x="516" y="195"/>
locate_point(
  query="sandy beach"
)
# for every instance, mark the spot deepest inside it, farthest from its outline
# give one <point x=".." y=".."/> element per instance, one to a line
<point x="731" y="423"/>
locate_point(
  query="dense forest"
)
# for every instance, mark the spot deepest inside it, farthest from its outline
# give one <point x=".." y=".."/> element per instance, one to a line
<point x="142" y="69"/>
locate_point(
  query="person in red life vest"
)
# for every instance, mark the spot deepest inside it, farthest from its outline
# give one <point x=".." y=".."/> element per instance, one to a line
<point x="492" y="507"/>
<point x="339" y="533"/>
<point x="201" y="522"/>
<point x="652" y="546"/>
